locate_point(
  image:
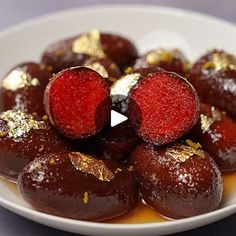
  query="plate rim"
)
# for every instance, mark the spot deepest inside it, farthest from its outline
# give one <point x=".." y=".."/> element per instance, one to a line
<point x="117" y="6"/>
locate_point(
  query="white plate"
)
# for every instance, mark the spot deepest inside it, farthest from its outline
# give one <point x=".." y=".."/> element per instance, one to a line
<point x="148" y="26"/>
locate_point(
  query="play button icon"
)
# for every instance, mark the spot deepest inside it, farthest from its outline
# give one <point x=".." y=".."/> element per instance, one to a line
<point x="117" y="118"/>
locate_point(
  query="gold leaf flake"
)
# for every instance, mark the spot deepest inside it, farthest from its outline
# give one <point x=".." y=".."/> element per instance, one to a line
<point x="20" y="123"/>
<point x="60" y="52"/>
<point x="100" y="69"/>
<point x="221" y="61"/>
<point x="207" y="121"/>
<point x="182" y="152"/>
<point x="128" y="70"/>
<point x="3" y="128"/>
<point x="123" y="85"/>
<point x="89" y="44"/>
<point x="91" y="165"/>
<point x="130" y="169"/>
<point x="86" y="198"/>
<point x="158" y="55"/>
<point x="17" y="79"/>
<point x="118" y="170"/>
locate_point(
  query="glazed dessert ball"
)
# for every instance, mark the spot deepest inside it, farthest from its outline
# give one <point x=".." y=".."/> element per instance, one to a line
<point x="214" y="77"/>
<point x="22" y="139"/>
<point x="78" y="186"/>
<point x="106" y="68"/>
<point x="94" y="44"/>
<point x="163" y="107"/>
<point x="23" y="88"/>
<point x="216" y="131"/>
<point x="117" y="142"/>
<point x="180" y="180"/>
<point x="169" y="60"/>
<point x="77" y="101"/>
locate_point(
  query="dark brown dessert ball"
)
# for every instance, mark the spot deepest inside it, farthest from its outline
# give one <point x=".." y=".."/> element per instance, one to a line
<point x="22" y="139"/>
<point x="76" y="50"/>
<point x="169" y="60"/>
<point x="214" y="77"/>
<point x="180" y="180"/>
<point x="23" y="88"/>
<point x="216" y="131"/>
<point x="118" y="142"/>
<point x="78" y="186"/>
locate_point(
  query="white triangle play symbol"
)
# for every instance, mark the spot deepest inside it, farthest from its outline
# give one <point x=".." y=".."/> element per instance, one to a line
<point x="117" y="118"/>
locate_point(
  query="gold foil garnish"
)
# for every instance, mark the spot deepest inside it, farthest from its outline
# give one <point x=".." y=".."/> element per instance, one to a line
<point x="131" y="169"/>
<point x="182" y="152"/>
<point x="45" y="117"/>
<point x="100" y="69"/>
<point x="20" y="123"/>
<point x="52" y="162"/>
<point x="17" y="79"/>
<point x="118" y="170"/>
<point x="158" y="55"/>
<point x="60" y="52"/>
<point x="86" y="198"/>
<point x="221" y="61"/>
<point x="89" y="44"/>
<point x="123" y="85"/>
<point x="207" y="121"/>
<point x="128" y="70"/>
<point x="3" y="128"/>
<point x="91" y="165"/>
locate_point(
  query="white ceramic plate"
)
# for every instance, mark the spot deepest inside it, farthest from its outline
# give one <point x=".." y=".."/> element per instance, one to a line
<point x="149" y="27"/>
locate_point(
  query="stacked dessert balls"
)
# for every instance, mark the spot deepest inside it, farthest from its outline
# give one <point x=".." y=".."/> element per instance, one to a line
<point x="57" y="143"/>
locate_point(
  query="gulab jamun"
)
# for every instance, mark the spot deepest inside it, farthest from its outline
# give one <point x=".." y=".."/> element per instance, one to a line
<point x="214" y="77"/>
<point x="77" y="101"/>
<point x="22" y="139"/>
<point x="216" y="132"/>
<point x="78" y="186"/>
<point x="163" y="107"/>
<point x="179" y="180"/>
<point x="23" y="88"/>
<point x="169" y="60"/>
<point x="76" y="50"/>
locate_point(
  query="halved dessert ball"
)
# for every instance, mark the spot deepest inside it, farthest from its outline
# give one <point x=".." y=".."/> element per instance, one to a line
<point x="216" y="131"/>
<point x="23" y="88"/>
<point x="22" y="139"/>
<point x="163" y="107"/>
<point x="78" y="186"/>
<point x="214" y="77"/>
<point x="76" y="50"/>
<point x="77" y="101"/>
<point x="179" y="180"/>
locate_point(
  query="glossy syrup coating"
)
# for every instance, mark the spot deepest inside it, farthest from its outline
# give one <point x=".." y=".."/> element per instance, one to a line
<point x="22" y="139"/>
<point x="216" y="131"/>
<point x="214" y="77"/>
<point x="76" y="50"/>
<point x="118" y="142"/>
<point x="178" y="180"/>
<point x="163" y="107"/>
<point x="77" y="101"/>
<point x="78" y="186"/>
<point x="168" y="59"/>
<point x="23" y="88"/>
